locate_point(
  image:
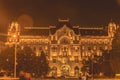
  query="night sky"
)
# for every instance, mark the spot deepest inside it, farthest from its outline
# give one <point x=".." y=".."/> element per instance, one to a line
<point x="46" y="12"/>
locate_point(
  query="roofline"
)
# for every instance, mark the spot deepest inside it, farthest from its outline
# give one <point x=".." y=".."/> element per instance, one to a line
<point x="36" y="28"/>
<point x="63" y="20"/>
<point x="90" y="28"/>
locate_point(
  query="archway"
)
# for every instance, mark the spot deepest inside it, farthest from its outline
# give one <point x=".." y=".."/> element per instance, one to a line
<point x="76" y="71"/>
<point x="65" y="40"/>
<point x="65" y="70"/>
<point x="54" y="71"/>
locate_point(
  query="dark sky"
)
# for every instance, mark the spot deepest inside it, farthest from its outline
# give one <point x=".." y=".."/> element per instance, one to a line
<point x="47" y="12"/>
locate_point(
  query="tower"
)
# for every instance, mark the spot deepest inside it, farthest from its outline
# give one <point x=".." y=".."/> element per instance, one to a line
<point x="13" y="33"/>
<point x="112" y="27"/>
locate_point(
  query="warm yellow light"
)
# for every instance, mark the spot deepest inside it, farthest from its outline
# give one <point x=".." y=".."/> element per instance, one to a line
<point x="14" y="36"/>
<point x="117" y="75"/>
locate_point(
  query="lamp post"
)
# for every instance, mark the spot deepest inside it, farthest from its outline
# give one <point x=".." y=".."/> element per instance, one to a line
<point x="15" y="56"/>
<point x="92" y="57"/>
<point x="15" y="60"/>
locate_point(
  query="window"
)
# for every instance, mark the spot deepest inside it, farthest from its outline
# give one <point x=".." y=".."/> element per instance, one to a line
<point x="89" y="48"/>
<point x="54" y="59"/>
<point x="34" y="48"/>
<point x="65" y="41"/>
<point x="76" y="59"/>
<point x="54" y="49"/>
<point x="65" y="54"/>
<point x="76" y="71"/>
<point x="76" y="49"/>
<point x="54" y="71"/>
<point x="64" y="49"/>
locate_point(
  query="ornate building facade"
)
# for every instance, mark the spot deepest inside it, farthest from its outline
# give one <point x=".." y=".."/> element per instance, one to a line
<point x="65" y="45"/>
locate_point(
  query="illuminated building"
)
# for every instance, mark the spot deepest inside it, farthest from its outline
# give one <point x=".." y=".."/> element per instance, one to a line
<point x="65" y="45"/>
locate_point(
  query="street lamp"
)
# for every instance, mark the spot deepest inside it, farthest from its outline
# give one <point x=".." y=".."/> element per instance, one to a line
<point x="15" y="60"/>
<point x="15" y="56"/>
<point x="92" y="57"/>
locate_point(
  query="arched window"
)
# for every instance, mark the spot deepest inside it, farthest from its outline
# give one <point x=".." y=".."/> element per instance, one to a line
<point x="54" y="71"/>
<point x="65" y="70"/>
<point x="76" y="71"/>
<point x="65" y="41"/>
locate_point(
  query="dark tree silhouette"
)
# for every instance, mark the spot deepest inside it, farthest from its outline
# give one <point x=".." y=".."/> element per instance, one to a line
<point x="99" y="64"/>
<point x="44" y="64"/>
<point x="7" y="59"/>
<point x="106" y="67"/>
<point x="25" y="59"/>
<point x="115" y="53"/>
<point x="42" y="67"/>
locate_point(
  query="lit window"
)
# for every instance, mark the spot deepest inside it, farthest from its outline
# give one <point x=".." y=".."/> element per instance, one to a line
<point x="76" y="49"/>
<point x="65" y="54"/>
<point x="76" y="59"/>
<point x="54" y="59"/>
<point x="54" y="49"/>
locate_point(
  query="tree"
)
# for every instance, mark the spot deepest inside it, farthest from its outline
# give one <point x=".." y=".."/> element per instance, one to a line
<point x="106" y="67"/>
<point x="115" y="53"/>
<point x="91" y="65"/>
<point x="99" y="64"/>
<point x="25" y="59"/>
<point x="7" y="59"/>
<point x="42" y="66"/>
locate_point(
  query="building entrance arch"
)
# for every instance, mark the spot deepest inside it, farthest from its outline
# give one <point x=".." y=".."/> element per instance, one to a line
<point x="54" y="71"/>
<point x="65" y="70"/>
<point x="76" y="71"/>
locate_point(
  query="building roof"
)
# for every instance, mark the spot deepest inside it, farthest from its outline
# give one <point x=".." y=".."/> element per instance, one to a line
<point x="93" y="31"/>
<point x="46" y="31"/>
<point x="61" y="23"/>
<point x="35" y="31"/>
